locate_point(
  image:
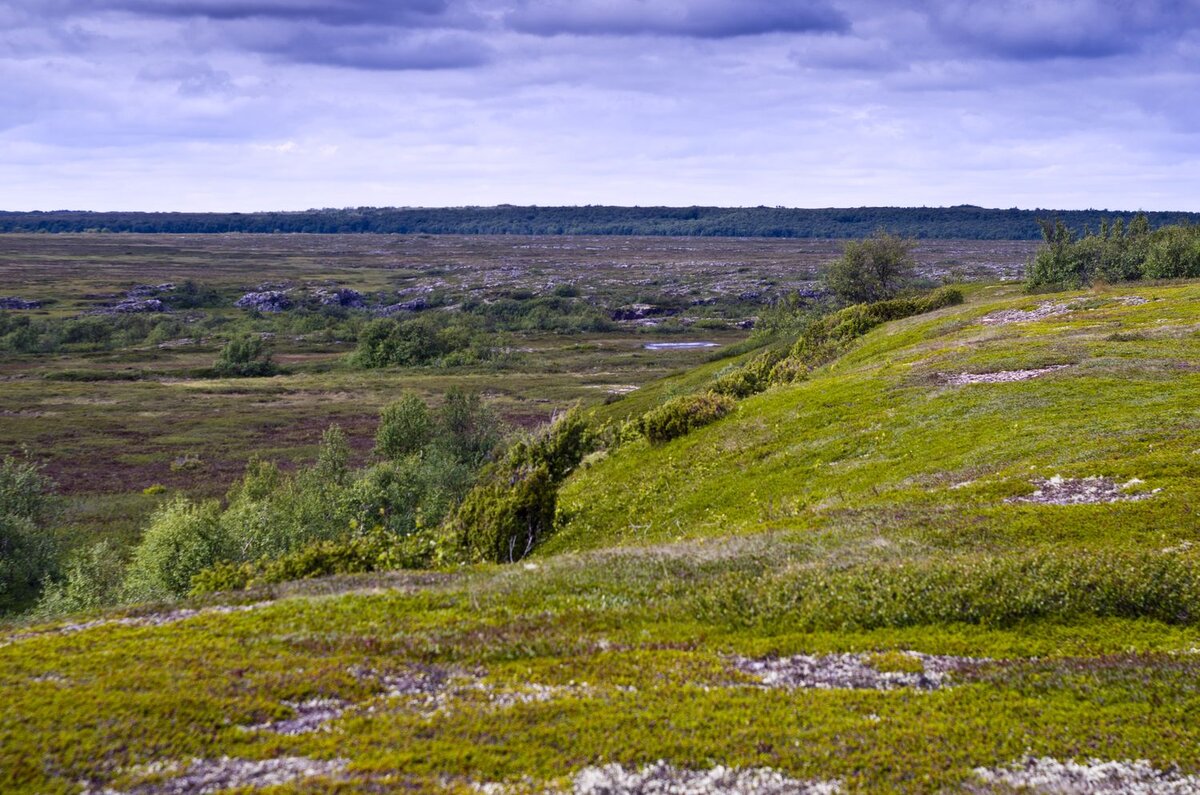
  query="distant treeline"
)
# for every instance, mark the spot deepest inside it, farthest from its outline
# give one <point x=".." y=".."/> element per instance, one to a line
<point x="963" y="222"/>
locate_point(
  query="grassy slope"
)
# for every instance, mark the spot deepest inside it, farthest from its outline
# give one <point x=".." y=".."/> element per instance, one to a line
<point x="850" y="472"/>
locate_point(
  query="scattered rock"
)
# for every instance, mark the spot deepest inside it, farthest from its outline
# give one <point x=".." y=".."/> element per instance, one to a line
<point x="1001" y="377"/>
<point x="663" y="779"/>
<point x="342" y="296"/>
<point x="148" y="290"/>
<point x="747" y="323"/>
<point x="851" y="671"/>
<point x="1094" y="777"/>
<point x="207" y="776"/>
<point x="266" y="301"/>
<point x="1132" y="300"/>
<point x="1083" y="491"/>
<point x="132" y="306"/>
<point x="415" y="305"/>
<point x="12" y="302"/>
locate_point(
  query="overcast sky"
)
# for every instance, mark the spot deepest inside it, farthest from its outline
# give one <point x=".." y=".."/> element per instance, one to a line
<point x="291" y="104"/>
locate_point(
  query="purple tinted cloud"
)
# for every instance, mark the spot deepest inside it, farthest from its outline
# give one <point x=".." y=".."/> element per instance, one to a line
<point x="699" y="18"/>
<point x="249" y="104"/>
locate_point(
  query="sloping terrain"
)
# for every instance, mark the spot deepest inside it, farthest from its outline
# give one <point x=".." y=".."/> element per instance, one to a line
<point x="961" y="557"/>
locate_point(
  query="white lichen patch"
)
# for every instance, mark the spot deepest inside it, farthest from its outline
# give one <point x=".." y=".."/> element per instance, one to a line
<point x="149" y="620"/>
<point x="1083" y="491"/>
<point x="312" y="715"/>
<point x="663" y="779"/>
<point x="1094" y="777"/>
<point x="1000" y="377"/>
<point x="1042" y="310"/>
<point x="207" y="776"/>
<point x="851" y="671"/>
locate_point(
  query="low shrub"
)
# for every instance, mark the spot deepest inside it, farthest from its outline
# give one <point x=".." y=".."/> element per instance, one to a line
<point x="182" y="539"/>
<point x="375" y="550"/>
<point x="245" y="356"/>
<point x="93" y="577"/>
<point x="512" y="510"/>
<point x="684" y="414"/>
<point x="27" y="548"/>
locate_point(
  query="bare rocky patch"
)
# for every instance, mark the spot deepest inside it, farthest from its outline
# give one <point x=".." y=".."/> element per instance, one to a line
<point x="1043" y="310"/>
<point x="663" y="779"/>
<point x="207" y="776"/>
<point x="1083" y="491"/>
<point x="854" y="671"/>
<point x="312" y="715"/>
<point x="1094" y="777"/>
<point x="1000" y="377"/>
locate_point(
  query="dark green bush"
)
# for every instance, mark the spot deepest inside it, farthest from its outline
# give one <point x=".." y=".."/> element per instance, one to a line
<point x="405" y="427"/>
<point x="93" y="577"/>
<point x="994" y="591"/>
<point x="183" y="539"/>
<point x="682" y="415"/>
<point x="374" y="550"/>
<point x="1174" y="253"/>
<point x="245" y="356"/>
<point x="27" y="549"/>
<point x="504" y="517"/>
<point x="873" y="269"/>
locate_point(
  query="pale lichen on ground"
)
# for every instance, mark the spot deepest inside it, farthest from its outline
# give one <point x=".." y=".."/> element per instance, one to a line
<point x="851" y="671"/>
<point x="664" y="779"/>
<point x="208" y="776"/>
<point x="1093" y="490"/>
<point x="1094" y="777"/>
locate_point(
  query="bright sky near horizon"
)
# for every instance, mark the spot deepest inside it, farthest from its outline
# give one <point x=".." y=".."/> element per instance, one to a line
<point x="248" y="105"/>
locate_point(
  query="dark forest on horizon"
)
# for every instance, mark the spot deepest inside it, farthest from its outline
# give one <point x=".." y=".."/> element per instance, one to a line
<point x="960" y="222"/>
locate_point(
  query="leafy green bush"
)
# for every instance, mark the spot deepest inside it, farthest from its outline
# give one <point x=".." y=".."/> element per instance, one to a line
<point x="752" y="377"/>
<point x="1174" y="253"/>
<point x="375" y="550"/>
<point x="405" y="427"/>
<point x="681" y="415"/>
<point x="244" y="356"/>
<point x="182" y="539"/>
<point x="873" y="269"/>
<point x="93" y="577"/>
<point x="428" y="339"/>
<point x="825" y="339"/>
<point x="503" y="519"/>
<point x="27" y="549"/>
<point x="270" y="514"/>
<point x="512" y="510"/>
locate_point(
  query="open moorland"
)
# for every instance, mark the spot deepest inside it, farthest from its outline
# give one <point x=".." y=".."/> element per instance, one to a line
<point x="939" y="540"/>
<point x="113" y="414"/>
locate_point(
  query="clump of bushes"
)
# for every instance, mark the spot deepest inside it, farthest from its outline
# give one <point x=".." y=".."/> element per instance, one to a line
<point x="512" y="509"/>
<point x="245" y="356"/>
<point x="428" y="339"/>
<point x="1117" y="252"/>
<point x="27" y="548"/>
<point x="684" y="414"/>
<point x="874" y="269"/>
<point x="182" y="539"/>
<point x="354" y="553"/>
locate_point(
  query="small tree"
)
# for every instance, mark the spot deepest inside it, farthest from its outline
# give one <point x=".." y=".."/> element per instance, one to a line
<point x="244" y="357"/>
<point x="27" y="550"/>
<point x="873" y="269"/>
<point x="405" y="426"/>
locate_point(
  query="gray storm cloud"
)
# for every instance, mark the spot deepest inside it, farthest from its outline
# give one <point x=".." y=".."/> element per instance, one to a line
<point x="267" y="103"/>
